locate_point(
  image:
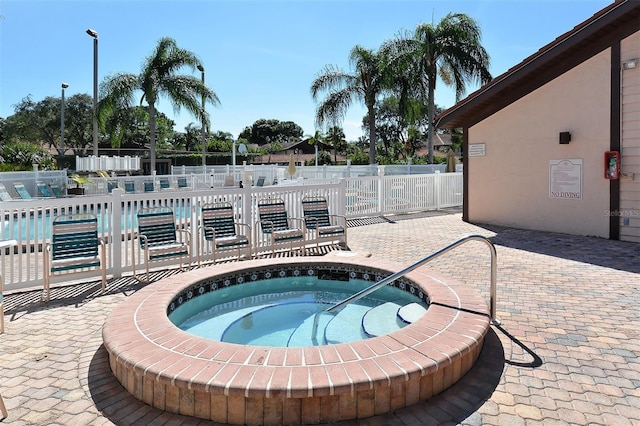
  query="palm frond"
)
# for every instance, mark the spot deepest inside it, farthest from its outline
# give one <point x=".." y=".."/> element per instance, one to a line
<point x="331" y="78"/>
<point x="334" y="108"/>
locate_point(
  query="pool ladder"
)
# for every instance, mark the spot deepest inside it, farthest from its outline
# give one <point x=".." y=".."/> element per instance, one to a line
<point x="401" y="273"/>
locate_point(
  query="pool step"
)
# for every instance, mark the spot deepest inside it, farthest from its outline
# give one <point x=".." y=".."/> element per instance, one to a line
<point x="223" y="322"/>
<point x="346" y="325"/>
<point x="382" y="319"/>
<point x="305" y="335"/>
<point x="411" y="312"/>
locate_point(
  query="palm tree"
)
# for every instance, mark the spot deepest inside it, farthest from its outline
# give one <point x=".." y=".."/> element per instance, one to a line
<point x="335" y="137"/>
<point x="157" y="78"/>
<point x="365" y="84"/>
<point x="315" y="140"/>
<point x="451" y="50"/>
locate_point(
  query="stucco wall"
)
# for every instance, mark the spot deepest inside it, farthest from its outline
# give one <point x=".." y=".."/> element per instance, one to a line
<point x="510" y="184"/>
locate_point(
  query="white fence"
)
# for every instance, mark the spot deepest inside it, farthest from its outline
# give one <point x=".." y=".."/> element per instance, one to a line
<point x="29" y="221"/>
<point x="273" y="172"/>
<point x="107" y="164"/>
<point x="29" y="179"/>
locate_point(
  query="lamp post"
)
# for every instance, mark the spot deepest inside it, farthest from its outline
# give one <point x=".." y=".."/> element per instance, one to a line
<point x="64" y="86"/>
<point x="94" y="34"/>
<point x="204" y="144"/>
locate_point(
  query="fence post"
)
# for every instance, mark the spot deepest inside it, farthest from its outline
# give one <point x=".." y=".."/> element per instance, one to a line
<point x="382" y="191"/>
<point x="117" y="233"/>
<point x="245" y="205"/>
<point x="437" y="182"/>
<point x="341" y="202"/>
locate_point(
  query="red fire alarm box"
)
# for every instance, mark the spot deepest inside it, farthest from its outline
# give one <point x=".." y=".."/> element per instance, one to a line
<point x="612" y="165"/>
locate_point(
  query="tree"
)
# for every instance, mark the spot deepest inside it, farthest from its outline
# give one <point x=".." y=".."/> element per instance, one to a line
<point x="367" y="81"/>
<point x="264" y="131"/>
<point x="451" y="50"/>
<point x="128" y="128"/>
<point x="36" y="122"/>
<point x="23" y="155"/>
<point x="157" y="78"/>
<point x="193" y="136"/>
<point x="335" y="137"/>
<point x="78" y="122"/>
<point x="221" y="142"/>
<point x="316" y="139"/>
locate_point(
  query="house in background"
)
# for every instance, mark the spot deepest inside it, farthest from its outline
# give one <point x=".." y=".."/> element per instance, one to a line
<point x="541" y="139"/>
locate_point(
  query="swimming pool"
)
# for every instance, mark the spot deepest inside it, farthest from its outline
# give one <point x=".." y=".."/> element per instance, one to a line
<point x="36" y="225"/>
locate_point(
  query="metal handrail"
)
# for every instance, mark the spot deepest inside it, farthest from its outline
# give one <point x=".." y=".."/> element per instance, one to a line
<point x="393" y="277"/>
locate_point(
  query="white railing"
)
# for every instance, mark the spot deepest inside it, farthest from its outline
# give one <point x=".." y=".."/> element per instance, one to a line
<point x="29" y="179"/>
<point x="92" y="163"/>
<point x="29" y="221"/>
<point x="279" y="172"/>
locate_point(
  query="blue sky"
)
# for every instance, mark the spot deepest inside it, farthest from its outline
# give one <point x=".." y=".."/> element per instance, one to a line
<point x="259" y="56"/>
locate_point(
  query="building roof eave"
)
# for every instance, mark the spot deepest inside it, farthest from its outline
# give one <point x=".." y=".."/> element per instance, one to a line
<point x="616" y="21"/>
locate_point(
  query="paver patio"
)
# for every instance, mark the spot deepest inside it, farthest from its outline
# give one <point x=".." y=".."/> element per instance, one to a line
<point x="567" y="352"/>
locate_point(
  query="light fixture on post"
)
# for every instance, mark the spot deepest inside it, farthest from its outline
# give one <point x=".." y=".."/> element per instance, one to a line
<point x="64" y="86"/>
<point x="204" y="144"/>
<point x="94" y="34"/>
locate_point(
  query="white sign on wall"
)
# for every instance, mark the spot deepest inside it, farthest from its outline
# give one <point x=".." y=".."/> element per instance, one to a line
<point x="477" y="150"/>
<point x="565" y="179"/>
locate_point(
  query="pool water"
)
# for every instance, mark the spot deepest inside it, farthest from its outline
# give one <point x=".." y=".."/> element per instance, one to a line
<point x="38" y="226"/>
<point x="290" y="312"/>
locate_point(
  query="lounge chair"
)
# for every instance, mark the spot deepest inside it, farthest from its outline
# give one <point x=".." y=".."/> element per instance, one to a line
<point x="130" y="187"/>
<point x="260" y="181"/>
<point x="4" y="194"/>
<point x="57" y="191"/>
<point x="182" y="183"/>
<point x="158" y="237"/>
<point x="22" y="191"/>
<point x="111" y="183"/>
<point x="44" y="190"/>
<point x="164" y="184"/>
<point x="75" y="246"/>
<point x="219" y="227"/>
<point x="276" y="225"/>
<point x="324" y="227"/>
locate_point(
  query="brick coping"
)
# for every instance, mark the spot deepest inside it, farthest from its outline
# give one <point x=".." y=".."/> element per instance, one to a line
<point x="179" y="372"/>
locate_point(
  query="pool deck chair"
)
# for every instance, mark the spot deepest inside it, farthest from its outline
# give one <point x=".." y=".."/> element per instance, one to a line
<point x="74" y="247"/>
<point x="260" y="181"/>
<point x="182" y="183"/>
<point x="57" y="191"/>
<point x="219" y="227"/>
<point x="4" y="194"/>
<point x="130" y="187"/>
<point x="164" y="184"/>
<point x="22" y="191"/>
<point x="44" y="190"/>
<point x="276" y="225"/>
<point x="324" y="227"/>
<point x="158" y="236"/>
